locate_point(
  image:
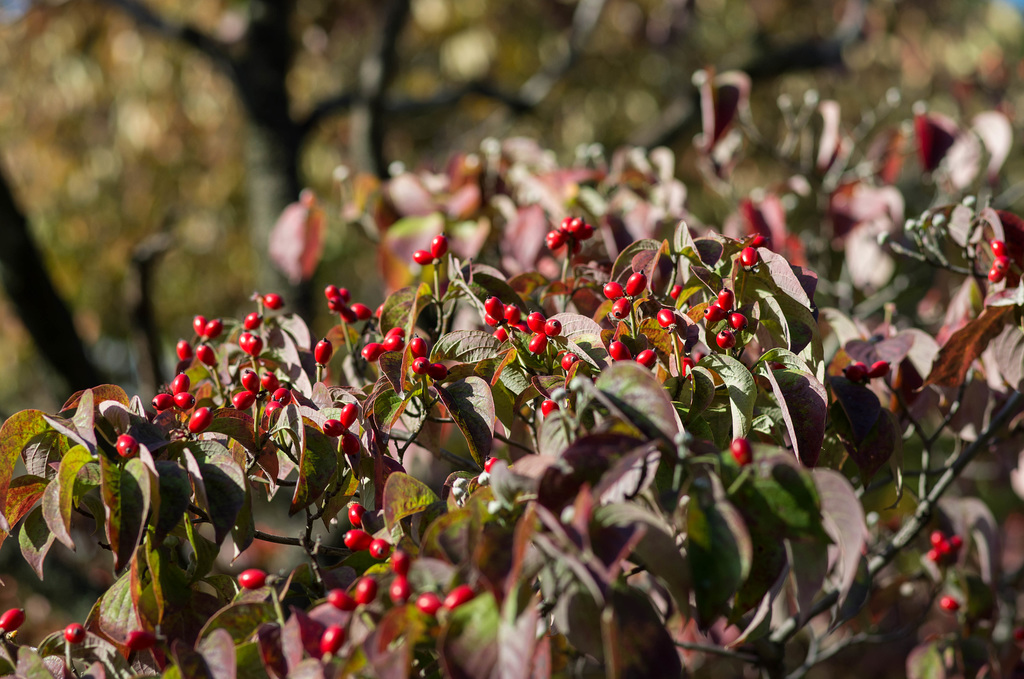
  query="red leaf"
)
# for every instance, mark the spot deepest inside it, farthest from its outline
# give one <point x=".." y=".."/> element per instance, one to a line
<point x="297" y="241"/>
<point x="935" y="136"/>
<point x="721" y="98"/>
<point x="966" y="345"/>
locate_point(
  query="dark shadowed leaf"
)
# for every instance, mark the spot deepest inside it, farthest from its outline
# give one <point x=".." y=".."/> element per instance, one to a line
<point x="175" y="495"/>
<point x="583" y="462"/>
<point x="804" y="406"/>
<point x="236" y="424"/>
<point x="843" y="520"/>
<point x="965" y="345"/>
<point x="636" y="643"/>
<point x="719" y="551"/>
<point x="640" y="397"/>
<point x="239" y="620"/>
<point x="219" y="481"/>
<point x="808" y="561"/>
<point x="855" y="410"/>
<point x="470" y="403"/>
<point x="469" y="642"/>
<point x="317" y="467"/>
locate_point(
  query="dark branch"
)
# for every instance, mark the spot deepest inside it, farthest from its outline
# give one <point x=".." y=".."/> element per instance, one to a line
<point x="40" y="307"/>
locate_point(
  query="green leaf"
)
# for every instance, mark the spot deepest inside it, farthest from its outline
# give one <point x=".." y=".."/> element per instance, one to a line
<point x="741" y="387"/>
<point x="925" y="662"/>
<point x="396" y="308"/>
<point x="126" y="496"/>
<point x="16" y="432"/>
<point x="175" y="493"/>
<point x="219" y="483"/>
<point x="469" y="642"/>
<point x="240" y="620"/>
<point x="636" y="392"/>
<point x="646" y="249"/>
<point x="30" y="665"/>
<point x="70" y="465"/>
<point x="466" y="346"/>
<point x="35" y="539"/>
<point x="582" y="336"/>
<point x="636" y="643"/>
<point x="384" y="404"/>
<point x="317" y="466"/>
<point x="405" y="496"/>
<point x="719" y="551"/>
<point x="470" y="403"/>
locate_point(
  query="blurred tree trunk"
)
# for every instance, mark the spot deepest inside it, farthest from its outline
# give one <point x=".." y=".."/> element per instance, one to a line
<point x="41" y="308"/>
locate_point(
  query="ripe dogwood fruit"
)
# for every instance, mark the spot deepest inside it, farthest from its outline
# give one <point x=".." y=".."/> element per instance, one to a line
<point x="726" y="299"/>
<point x="372" y="351"/>
<point x="501" y="335"/>
<point x="494" y="307"/>
<point x="379" y="549"/>
<point x="74" y="633"/>
<point x="713" y="313"/>
<point x="243" y="400"/>
<point x="676" y="291"/>
<point x="429" y="603"/>
<point x="636" y="284"/>
<point x="200" y="420"/>
<point x="184" y="401"/>
<point x="998" y="248"/>
<point x="139" y="640"/>
<point x="619" y="351"/>
<point x="127" y="446"/>
<point x="856" y="372"/>
<point x="726" y="339"/>
<point x="538" y="343"/>
<point x="749" y="257"/>
<point x="737" y="321"/>
<point x="350" y="443"/>
<point x="213" y="329"/>
<point x="878" y="369"/>
<point x="439" y="246"/>
<point x="349" y="414"/>
<point x="437" y="371"/>
<point x="621" y="308"/>
<point x="400" y="590"/>
<point x="647" y="358"/>
<point x="554" y="240"/>
<point x="536" y="321"/>
<point x="323" y="351"/>
<point x="282" y="395"/>
<point x="206" y="355"/>
<point x="394" y="343"/>
<point x="553" y="327"/>
<point x="400" y="562"/>
<point x="252" y="578"/>
<point x="458" y="596"/>
<point x="341" y="600"/>
<point x="332" y="639"/>
<point x="365" y="591"/>
<point x="358" y="540"/>
<point x="362" y="312"/>
<point x="250" y="380"/>
<point x="548" y="407"/>
<point x="741" y="451"/>
<point x="667" y="318"/>
<point x="180" y="383"/>
<point x="272" y="300"/>
<point x="418" y="347"/>
<point x="422" y="257"/>
<point x="252" y="321"/>
<point x="12" y="619"/>
<point x="613" y="290"/>
<point x="421" y="365"/>
<point x="568" y="359"/>
<point x="270" y="382"/>
<point x="949" y="604"/>
<point x="199" y="324"/>
<point x="334" y="428"/>
<point x="184" y="350"/>
<point x="162" y="402"/>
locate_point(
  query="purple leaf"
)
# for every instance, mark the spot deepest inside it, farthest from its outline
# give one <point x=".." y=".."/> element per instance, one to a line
<point x="843" y="520"/>
<point x="804" y="404"/>
<point x="721" y="98"/>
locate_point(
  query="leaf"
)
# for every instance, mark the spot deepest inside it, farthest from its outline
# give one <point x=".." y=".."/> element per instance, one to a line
<point x="395" y="310"/>
<point x="317" y="466"/>
<point x="297" y="239"/>
<point x="70" y="465"/>
<point x="718" y="549"/>
<point x="855" y="409"/>
<point x="843" y="520"/>
<point x="405" y="496"/>
<point x="466" y="346"/>
<point x="804" y="406"/>
<point x="470" y="403"/>
<point x="623" y="266"/>
<point x="636" y="643"/>
<point x="935" y="136"/>
<point x="741" y="387"/>
<point x="240" y="620"/>
<point x="219" y="482"/>
<point x="16" y="432"/>
<point x="126" y="495"/>
<point x="925" y="662"/>
<point x="997" y="135"/>
<point x="808" y="560"/>
<point x="85" y="418"/>
<point x="965" y="345"/>
<point x="235" y="424"/>
<point x="218" y="651"/>
<point x="721" y="98"/>
<point x="22" y="495"/>
<point x="641" y="398"/>
<point x="583" y="337"/>
<point x="175" y="493"/>
<point x="468" y="645"/>
<point x="35" y="539"/>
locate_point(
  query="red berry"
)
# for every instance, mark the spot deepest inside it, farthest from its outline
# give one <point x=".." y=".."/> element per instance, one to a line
<point x="349" y="414"/>
<point x="200" y="420"/>
<point x="548" y="407"/>
<point x="741" y="451"/>
<point x="251" y="344"/>
<point x="998" y="248"/>
<point x="400" y="562"/>
<point x="687" y="364"/>
<point x="184" y="350"/>
<point x="272" y="408"/>
<point x="180" y="383"/>
<point x="439" y="246"/>
<point x="667" y="318"/>
<point x="726" y="339"/>
<point x="366" y="590"/>
<point x="737" y="321"/>
<point x="956" y="542"/>
<point x="422" y="257"/>
<point x="243" y="400"/>
<point x="127" y="446"/>
<point x="372" y="351"/>
<point x="949" y="604"/>
<point x="282" y="395"/>
<point x="334" y="428"/>
<point x="206" y="355"/>
<point x="350" y="443"/>
<point x="332" y="639"/>
<point x="394" y="343"/>
<point x="1001" y="264"/>
<point x="553" y="327"/>
<point x="417" y="347"/>
<point x="878" y="369"/>
<point x="340" y="599"/>
<point x="621" y="307"/>
<point x="494" y="307"/>
<point x="501" y="335"/>
<point x="636" y="284"/>
<point x="252" y="578"/>
<point x="513" y="314"/>
<point x="140" y="640"/>
<point x="421" y="365"/>
<point x="491" y="320"/>
<point x="568" y="359"/>
<point x="936" y="538"/>
<point x="856" y="372"/>
<point x="554" y="240"/>
<point x="379" y="549"/>
<point x="613" y="290"/>
<point x="749" y="257"/>
<point x="726" y="299"/>
<point x="1018" y="634"/>
<point x="347" y="314"/>
<point x="437" y="371"/>
<point x="538" y="343"/>
<point x="270" y="382"/>
<point x="489" y="465"/>
<point x="184" y="401"/>
<point x="400" y="590"/>
<point x="647" y="358"/>
<point x="619" y="351"/>
<point x="74" y="633"/>
<point x="162" y="402"/>
<point x="934" y="556"/>
<point x="458" y="596"/>
<point x="252" y="321"/>
<point x="213" y="329"/>
<point x="199" y="324"/>
<point x="362" y="312"/>
<point x="676" y="291"/>
<point x="536" y="321"/>
<point x="323" y="351"/>
<point x="713" y="313"/>
<point x="358" y="540"/>
<point x="12" y="619"/>
<point x="332" y="292"/>
<point x="355" y="514"/>
<point x="272" y="300"/>
<point x="759" y="241"/>
<point x="428" y="603"/>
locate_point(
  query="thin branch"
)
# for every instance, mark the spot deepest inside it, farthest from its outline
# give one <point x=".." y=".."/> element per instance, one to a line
<point x="912" y="527"/>
<point x="297" y="542"/>
<point x="717" y="650"/>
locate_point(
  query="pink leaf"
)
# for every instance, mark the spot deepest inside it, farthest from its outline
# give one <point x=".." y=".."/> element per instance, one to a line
<point x="997" y="136"/>
<point x="721" y="99"/>
<point x="297" y="240"/>
<point x="935" y="136"/>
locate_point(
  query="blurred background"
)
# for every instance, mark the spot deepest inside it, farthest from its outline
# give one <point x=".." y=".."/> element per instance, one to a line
<point x="147" y="147"/>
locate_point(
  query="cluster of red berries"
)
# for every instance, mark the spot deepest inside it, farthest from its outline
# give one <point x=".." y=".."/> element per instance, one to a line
<point x="338" y="302"/>
<point x="722" y="310"/>
<point x="572" y="232"/>
<point x="341" y="427"/>
<point x="860" y="372"/>
<point x="503" y="316"/>
<point x="944" y="548"/>
<point x="183" y="400"/>
<point x="1001" y="264"/>
<point x="622" y="297"/>
<point x="438" y="248"/>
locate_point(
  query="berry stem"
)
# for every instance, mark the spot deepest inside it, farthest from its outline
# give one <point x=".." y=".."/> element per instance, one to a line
<point x="220" y="387"/>
<point x="344" y="333"/>
<point x="675" y="352"/>
<point x="319" y="373"/>
<point x="277" y="605"/>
